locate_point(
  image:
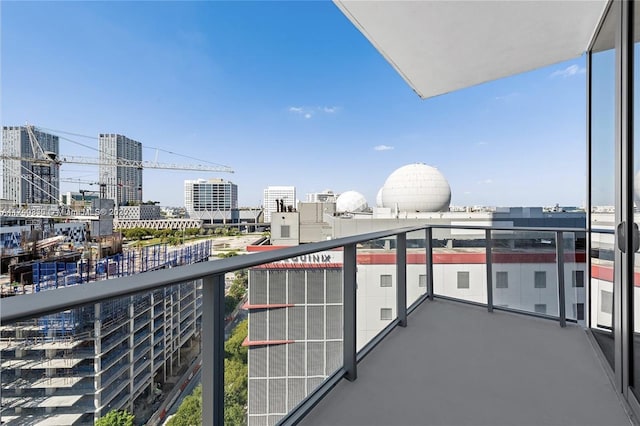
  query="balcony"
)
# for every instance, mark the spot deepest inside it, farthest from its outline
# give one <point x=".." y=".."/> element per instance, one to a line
<point x="429" y="325"/>
<point x="456" y="364"/>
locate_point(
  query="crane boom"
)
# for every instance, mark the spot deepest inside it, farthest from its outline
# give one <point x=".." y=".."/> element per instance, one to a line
<point x="143" y="164"/>
<point x="122" y="162"/>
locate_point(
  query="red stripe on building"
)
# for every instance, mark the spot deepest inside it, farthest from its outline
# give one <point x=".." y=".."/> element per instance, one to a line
<point x="246" y="342"/>
<point x="438" y="258"/>
<point x="298" y="265"/>
<point x="267" y="306"/>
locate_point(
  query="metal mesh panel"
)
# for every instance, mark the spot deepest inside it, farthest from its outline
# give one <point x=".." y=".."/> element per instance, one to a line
<point x="277" y="324"/>
<point x="258" y="361"/>
<point x="277" y="361"/>
<point x="296" y="358"/>
<point x="296" y="391"/>
<point x="277" y="286"/>
<point x="273" y="420"/>
<point x="334" y="322"/>
<point x="315" y="358"/>
<point x="258" y="325"/>
<point x="257" y="287"/>
<point x="296" y="287"/>
<point x="257" y="396"/>
<point x="315" y="286"/>
<point x="334" y="356"/>
<point x="296" y="323"/>
<point x="315" y="322"/>
<point x="313" y="383"/>
<point x="258" y="421"/>
<point x="277" y="396"/>
<point x="334" y="286"/>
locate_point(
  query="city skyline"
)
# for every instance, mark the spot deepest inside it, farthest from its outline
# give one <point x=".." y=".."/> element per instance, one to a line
<point x="282" y="93"/>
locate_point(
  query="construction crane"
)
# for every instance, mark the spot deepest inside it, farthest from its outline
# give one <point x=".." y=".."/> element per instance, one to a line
<point x="45" y="165"/>
<point x="48" y="158"/>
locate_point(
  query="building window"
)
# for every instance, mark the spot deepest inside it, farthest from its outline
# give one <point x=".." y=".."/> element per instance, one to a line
<point x="540" y="279"/>
<point x="540" y="308"/>
<point x="284" y="231"/>
<point x="577" y="279"/>
<point x="386" y="314"/>
<point x="422" y="280"/>
<point x="502" y="279"/>
<point x="578" y="311"/>
<point x="606" y="302"/>
<point x="385" y="281"/>
<point x="463" y="279"/>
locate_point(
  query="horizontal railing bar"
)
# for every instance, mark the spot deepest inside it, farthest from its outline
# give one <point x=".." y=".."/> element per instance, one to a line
<point x="602" y="231"/>
<point x="51" y="301"/>
<point x="504" y="228"/>
<point x="456" y="299"/>
<point x="503" y="308"/>
<point x="56" y="300"/>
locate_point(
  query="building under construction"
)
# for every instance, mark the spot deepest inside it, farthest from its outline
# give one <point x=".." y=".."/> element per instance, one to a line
<point x="73" y="367"/>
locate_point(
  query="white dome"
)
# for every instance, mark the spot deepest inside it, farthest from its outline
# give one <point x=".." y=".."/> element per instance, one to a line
<point x="379" y="198"/>
<point x="416" y="188"/>
<point x="351" y="201"/>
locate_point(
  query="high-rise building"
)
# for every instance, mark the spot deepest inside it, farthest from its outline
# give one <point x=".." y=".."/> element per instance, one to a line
<point x="25" y="181"/>
<point x="123" y="184"/>
<point x="286" y="196"/>
<point x="213" y="200"/>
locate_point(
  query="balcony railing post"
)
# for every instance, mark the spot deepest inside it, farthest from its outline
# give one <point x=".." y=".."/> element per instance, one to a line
<point x="401" y="278"/>
<point x="429" y="248"/>
<point x="213" y="350"/>
<point x="349" y="270"/>
<point x="489" y="262"/>
<point x="561" y="294"/>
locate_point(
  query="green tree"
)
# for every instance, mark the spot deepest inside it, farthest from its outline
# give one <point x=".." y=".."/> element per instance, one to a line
<point x="116" y="418"/>
<point x="190" y="411"/>
<point x="230" y="304"/>
<point x="235" y="386"/>
<point x="233" y="346"/>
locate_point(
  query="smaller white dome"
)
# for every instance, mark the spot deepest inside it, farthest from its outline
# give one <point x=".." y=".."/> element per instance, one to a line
<point x="351" y="201"/>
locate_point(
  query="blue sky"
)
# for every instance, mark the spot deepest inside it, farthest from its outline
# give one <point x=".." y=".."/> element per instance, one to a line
<point x="285" y="93"/>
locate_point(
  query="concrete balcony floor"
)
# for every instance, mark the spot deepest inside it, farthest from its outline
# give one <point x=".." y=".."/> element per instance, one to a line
<point x="457" y="364"/>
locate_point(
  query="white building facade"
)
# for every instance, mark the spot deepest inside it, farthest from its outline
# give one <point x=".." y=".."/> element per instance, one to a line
<point x="285" y="196"/>
<point x="123" y="184"/>
<point x="28" y="182"/>
<point x="212" y="200"/>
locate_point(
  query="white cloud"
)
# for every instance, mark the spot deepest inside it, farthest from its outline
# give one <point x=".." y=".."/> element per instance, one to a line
<point x="485" y="181"/>
<point x="570" y="71"/>
<point x="308" y="112"/>
<point x="382" y="148"/>
<point x="482" y="143"/>
<point x="507" y="97"/>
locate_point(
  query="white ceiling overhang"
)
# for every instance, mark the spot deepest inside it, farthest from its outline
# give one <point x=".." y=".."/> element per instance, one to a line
<point x="442" y="46"/>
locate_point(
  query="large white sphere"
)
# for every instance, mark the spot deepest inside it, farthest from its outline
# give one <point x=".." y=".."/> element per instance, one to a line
<point x="416" y="188"/>
<point x="351" y="201"/>
<point x="379" y="198"/>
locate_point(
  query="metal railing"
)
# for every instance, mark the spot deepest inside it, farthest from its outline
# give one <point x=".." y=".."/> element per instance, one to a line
<point x="212" y="273"/>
